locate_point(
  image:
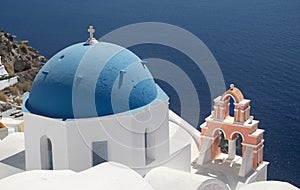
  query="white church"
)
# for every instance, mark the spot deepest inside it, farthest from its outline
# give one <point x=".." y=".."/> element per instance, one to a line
<point x="95" y="102"/>
<point x="95" y="109"/>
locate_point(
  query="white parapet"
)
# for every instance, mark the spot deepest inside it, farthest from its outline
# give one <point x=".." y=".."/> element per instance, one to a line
<point x="195" y="134"/>
<point x="8" y="82"/>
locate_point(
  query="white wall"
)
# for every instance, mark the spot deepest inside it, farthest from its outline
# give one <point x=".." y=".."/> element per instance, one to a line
<point x="3" y="133"/>
<point x="125" y="134"/>
<point x="3" y="71"/>
<point x="72" y="140"/>
<point x="37" y="126"/>
<point x="8" y="82"/>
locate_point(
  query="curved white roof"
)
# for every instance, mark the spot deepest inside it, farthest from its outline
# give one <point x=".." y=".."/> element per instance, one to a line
<point x="269" y="185"/>
<point x="162" y="178"/>
<point x="106" y="176"/>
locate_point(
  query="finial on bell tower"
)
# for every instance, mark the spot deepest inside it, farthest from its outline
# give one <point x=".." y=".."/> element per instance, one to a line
<point x="91" y="39"/>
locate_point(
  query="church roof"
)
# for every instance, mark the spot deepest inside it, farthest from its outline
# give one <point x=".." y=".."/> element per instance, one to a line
<point x="269" y="185"/>
<point x="90" y="80"/>
<point x="108" y="176"/>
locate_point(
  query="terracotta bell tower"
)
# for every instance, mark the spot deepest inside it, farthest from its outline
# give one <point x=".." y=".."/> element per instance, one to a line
<point x="221" y="126"/>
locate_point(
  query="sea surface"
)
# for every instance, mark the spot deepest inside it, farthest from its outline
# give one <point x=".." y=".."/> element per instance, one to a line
<point x="256" y="43"/>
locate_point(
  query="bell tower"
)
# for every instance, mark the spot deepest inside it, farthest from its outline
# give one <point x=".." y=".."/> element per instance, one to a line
<point x="221" y="130"/>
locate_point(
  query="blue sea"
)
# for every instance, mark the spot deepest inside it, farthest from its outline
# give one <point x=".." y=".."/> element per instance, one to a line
<point x="255" y="42"/>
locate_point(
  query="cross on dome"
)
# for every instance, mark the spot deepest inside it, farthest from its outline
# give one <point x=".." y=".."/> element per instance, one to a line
<point x="91" y="30"/>
<point x="91" y="39"/>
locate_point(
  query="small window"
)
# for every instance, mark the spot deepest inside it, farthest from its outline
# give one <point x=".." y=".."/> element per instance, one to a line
<point x="99" y="152"/>
<point x="149" y="148"/>
<point x="46" y="153"/>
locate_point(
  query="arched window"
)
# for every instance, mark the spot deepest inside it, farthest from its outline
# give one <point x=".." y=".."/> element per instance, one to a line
<point x="46" y="153"/>
<point x="231" y="107"/>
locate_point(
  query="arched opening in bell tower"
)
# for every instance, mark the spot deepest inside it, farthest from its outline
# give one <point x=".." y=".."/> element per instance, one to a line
<point x="223" y="143"/>
<point x="231" y="106"/>
<point x="235" y="145"/>
<point x="239" y="146"/>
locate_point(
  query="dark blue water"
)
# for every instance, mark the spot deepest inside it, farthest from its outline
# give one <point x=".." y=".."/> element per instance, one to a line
<point x="256" y="43"/>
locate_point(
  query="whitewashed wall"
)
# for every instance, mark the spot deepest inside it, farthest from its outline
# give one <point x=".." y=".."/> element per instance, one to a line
<point x="124" y="133"/>
<point x="8" y="82"/>
<point x="3" y="71"/>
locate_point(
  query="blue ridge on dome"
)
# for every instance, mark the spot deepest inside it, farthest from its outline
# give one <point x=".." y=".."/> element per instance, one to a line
<point x="52" y="89"/>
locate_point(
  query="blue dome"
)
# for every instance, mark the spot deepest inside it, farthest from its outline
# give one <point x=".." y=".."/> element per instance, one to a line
<point x="90" y="80"/>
